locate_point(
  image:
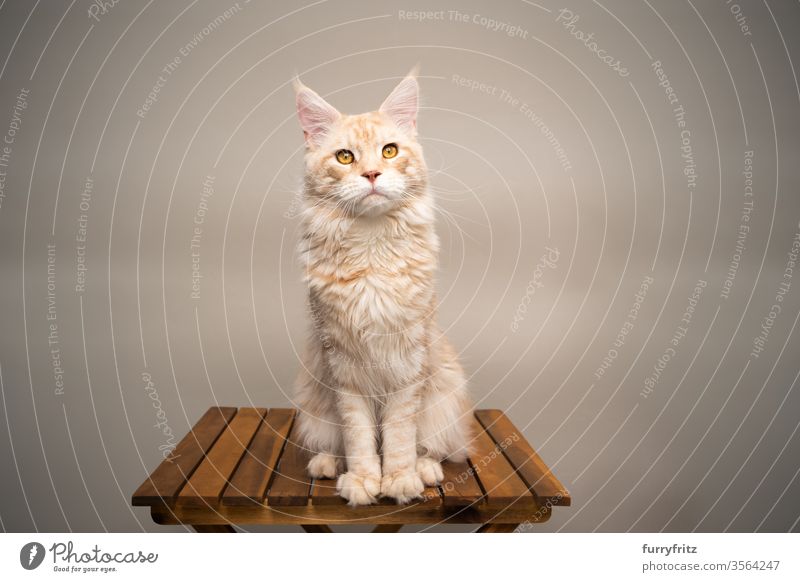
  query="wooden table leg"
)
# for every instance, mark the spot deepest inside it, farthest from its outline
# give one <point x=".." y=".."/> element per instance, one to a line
<point x="314" y="528"/>
<point x="218" y="528"/>
<point x="387" y="528"/>
<point x="497" y="528"/>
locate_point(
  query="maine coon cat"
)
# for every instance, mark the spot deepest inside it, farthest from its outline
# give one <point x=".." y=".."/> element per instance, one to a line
<point x="381" y="394"/>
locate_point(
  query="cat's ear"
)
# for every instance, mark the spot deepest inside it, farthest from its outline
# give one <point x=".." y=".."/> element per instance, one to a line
<point x="316" y="115"/>
<point x="403" y="103"/>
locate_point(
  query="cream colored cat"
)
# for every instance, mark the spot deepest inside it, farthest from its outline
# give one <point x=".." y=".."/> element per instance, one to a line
<point x="378" y="376"/>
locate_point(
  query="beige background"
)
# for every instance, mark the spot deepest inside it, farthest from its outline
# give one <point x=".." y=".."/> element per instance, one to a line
<point x="713" y="447"/>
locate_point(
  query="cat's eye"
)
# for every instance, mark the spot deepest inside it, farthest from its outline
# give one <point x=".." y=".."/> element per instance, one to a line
<point x="389" y="150"/>
<point x="345" y="157"/>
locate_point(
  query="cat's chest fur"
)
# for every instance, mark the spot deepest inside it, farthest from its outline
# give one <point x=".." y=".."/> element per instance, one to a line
<point x="372" y="285"/>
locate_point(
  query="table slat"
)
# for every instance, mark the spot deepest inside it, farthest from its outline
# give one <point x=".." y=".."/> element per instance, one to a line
<point x="528" y="464"/>
<point x="497" y="477"/>
<point x="164" y="483"/>
<point x="291" y="483"/>
<point x="249" y="483"/>
<point x="431" y="496"/>
<point x="459" y="485"/>
<point x="324" y="493"/>
<point x="209" y="480"/>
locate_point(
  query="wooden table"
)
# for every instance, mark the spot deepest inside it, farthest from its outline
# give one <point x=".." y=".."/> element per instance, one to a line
<point x="244" y="467"/>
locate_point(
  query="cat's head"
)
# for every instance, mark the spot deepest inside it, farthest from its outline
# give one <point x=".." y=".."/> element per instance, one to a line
<point x="367" y="164"/>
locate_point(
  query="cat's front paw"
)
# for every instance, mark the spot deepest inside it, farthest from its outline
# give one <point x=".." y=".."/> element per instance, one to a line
<point x="402" y="485"/>
<point x="359" y="489"/>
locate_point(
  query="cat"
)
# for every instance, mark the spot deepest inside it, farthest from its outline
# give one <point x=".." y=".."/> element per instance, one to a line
<point x="382" y="396"/>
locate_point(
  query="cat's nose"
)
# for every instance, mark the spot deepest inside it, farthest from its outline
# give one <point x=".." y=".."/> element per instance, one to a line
<point x="371" y="176"/>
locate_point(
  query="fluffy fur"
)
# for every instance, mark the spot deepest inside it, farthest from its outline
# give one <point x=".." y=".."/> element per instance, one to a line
<point x="381" y="394"/>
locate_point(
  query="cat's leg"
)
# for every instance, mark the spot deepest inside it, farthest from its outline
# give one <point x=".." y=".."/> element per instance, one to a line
<point x="318" y="422"/>
<point x="445" y="415"/>
<point x="400" y="477"/>
<point x="441" y="435"/>
<point x="443" y="426"/>
<point x="361" y="485"/>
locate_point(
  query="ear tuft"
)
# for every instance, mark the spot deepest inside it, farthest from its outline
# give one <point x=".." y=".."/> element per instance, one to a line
<point x="403" y="103"/>
<point x="315" y="114"/>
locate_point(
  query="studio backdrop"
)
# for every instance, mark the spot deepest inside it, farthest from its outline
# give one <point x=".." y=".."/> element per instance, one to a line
<point x="617" y="200"/>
